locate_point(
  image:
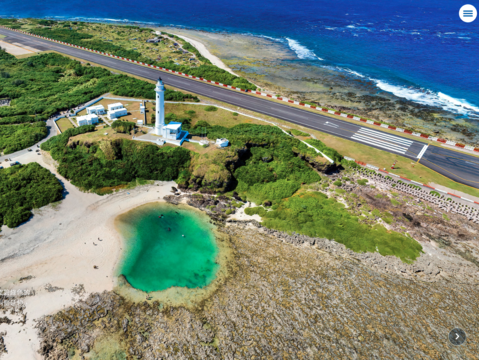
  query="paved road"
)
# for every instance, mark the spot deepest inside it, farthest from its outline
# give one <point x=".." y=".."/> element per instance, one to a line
<point x="454" y="165"/>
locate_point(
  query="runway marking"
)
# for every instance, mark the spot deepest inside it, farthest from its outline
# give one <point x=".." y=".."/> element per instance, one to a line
<point x="387" y="137"/>
<point x="379" y="143"/>
<point x="331" y="124"/>
<point x="422" y="152"/>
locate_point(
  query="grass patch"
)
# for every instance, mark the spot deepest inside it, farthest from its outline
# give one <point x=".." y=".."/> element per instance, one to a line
<point x="313" y="214"/>
<point x="296" y="132"/>
<point x="394" y="202"/>
<point x="64" y="124"/>
<point x="362" y="182"/>
<point x="445" y="217"/>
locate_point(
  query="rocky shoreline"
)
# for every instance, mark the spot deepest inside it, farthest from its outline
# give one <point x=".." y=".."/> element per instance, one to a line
<point x="284" y="302"/>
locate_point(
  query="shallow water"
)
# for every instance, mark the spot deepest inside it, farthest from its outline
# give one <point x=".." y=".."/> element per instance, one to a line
<point x="176" y="249"/>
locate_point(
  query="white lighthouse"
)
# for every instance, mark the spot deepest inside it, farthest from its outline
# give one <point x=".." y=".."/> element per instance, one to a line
<point x="172" y="131"/>
<point x="160" y="108"/>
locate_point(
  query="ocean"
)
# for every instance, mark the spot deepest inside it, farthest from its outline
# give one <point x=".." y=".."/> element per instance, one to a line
<point x="417" y="50"/>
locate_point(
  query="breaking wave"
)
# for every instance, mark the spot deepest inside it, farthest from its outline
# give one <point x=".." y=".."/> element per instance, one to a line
<point x="421" y="96"/>
<point x="426" y="97"/>
<point x="301" y="51"/>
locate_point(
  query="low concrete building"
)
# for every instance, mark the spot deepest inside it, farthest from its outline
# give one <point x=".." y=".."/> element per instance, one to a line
<point x="116" y="113"/>
<point x="115" y="106"/>
<point x="97" y="109"/>
<point x="142" y="108"/>
<point x="222" y="142"/>
<point x="89" y="119"/>
<point x="139" y="122"/>
<point x="172" y="131"/>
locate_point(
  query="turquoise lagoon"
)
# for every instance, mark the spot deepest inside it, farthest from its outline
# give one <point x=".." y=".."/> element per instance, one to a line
<point x="167" y="246"/>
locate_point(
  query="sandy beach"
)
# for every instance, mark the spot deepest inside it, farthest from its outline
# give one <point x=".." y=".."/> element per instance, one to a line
<point x="59" y="247"/>
<point x="206" y="53"/>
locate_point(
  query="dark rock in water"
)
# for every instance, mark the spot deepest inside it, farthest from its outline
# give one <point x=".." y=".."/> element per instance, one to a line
<point x="169" y="229"/>
<point x="267" y="159"/>
<point x="174" y="189"/>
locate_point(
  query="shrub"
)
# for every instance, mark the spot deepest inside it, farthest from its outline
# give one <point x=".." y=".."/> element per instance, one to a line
<point x="123" y="126"/>
<point x="337" y="183"/>
<point x="235" y="114"/>
<point x="255" y="211"/>
<point x="211" y="108"/>
<point x="363" y="181"/>
<point x="23" y="188"/>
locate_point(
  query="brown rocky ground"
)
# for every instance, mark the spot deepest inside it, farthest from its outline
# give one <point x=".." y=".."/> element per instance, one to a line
<point x="283" y="302"/>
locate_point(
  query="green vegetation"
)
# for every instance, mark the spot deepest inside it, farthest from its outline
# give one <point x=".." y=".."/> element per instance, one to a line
<point x="333" y="154"/>
<point x="42" y="85"/>
<point x="337" y="183"/>
<point x="23" y="188"/>
<point x="263" y="165"/>
<point x="82" y="36"/>
<point x="102" y="166"/>
<point x="445" y="217"/>
<point x="18" y="137"/>
<point x="211" y="108"/>
<point x="299" y="133"/>
<point x="20" y="119"/>
<point x="313" y="214"/>
<point x="395" y="202"/>
<point x="123" y="126"/>
<point x="363" y="182"/>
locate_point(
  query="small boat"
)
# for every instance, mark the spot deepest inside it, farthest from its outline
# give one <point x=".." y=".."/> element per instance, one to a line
<point x="169" y="229"/>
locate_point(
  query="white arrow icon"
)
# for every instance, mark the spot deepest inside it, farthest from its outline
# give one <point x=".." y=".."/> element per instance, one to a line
<point x="457" y="336"/>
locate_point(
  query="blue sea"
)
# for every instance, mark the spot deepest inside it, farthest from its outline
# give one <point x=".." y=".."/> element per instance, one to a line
<point x="417" y="49"/>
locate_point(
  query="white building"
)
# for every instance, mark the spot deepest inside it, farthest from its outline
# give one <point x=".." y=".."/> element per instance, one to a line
<point x="115" y="114"/>
<point x="97" y="109"/>
<point x="139" y="122"/>
<point x="142" y="108"/>
<point x="222" y="142"/>
<point x="89" y="119"/>
<point x="115" y="106"/>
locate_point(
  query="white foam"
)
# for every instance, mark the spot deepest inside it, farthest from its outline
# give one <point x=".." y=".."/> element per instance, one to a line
<point x="301" y="51"/>
<point x="426" y="97"/>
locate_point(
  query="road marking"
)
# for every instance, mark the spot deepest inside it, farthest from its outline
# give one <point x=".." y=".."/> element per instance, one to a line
<point x="387" y="137"/>
<point x="379" y="143"/>
<point x="331" y="124"/>
<point x="422" y="151"/>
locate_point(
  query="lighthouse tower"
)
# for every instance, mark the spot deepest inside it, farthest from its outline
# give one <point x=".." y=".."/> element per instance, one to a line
<point x="160" y="108"/>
